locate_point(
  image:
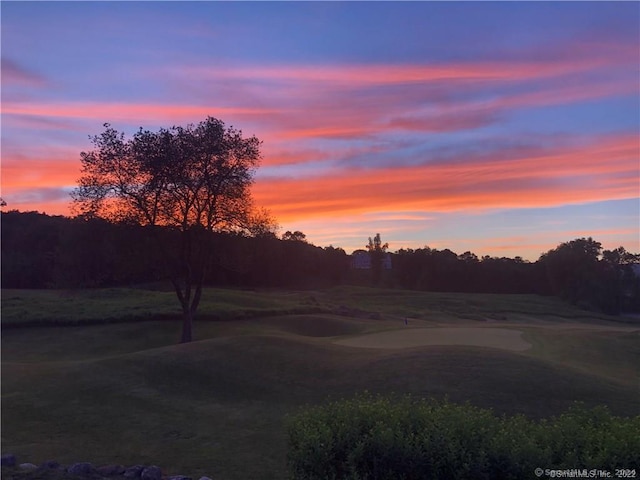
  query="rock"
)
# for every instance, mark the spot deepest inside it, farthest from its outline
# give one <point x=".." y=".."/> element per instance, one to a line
<point x="81" y="468"/>
<point x="151" y="473"/>
<point x="205" y="478"/>
<point x="179" y="477"/>
<point x="111" y="470"/>
<point x="8" y="460"/>
<point x="27" y="466"/>
<point x="134" y="472"/>
<point x="50" y="465"/>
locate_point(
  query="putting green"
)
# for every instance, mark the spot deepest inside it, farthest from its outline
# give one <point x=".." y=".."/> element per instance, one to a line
<point x="503" y="338"/>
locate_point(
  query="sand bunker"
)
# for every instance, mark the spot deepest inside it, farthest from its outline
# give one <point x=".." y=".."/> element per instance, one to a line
<point x="503" y="338"/>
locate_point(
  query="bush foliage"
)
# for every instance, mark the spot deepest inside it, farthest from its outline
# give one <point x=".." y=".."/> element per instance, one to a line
<point x="404" y="438"/>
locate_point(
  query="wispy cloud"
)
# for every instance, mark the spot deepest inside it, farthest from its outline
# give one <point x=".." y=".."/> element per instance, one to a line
<point x="15" y="74"/>
<point x="52" y="200"/>
<point x="575" y="59"/>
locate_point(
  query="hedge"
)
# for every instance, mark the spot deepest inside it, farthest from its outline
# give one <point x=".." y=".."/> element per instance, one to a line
<point x="382" y="438"/>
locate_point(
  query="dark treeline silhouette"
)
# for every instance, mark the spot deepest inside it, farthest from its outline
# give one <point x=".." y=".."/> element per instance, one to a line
<point x="40" y="251"/>
<point x="445" y="271"/>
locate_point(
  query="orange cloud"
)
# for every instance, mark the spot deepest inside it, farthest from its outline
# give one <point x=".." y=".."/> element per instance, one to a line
<point x="601" y="170"/>
<point x="280" y="156"/>
<point x="58" y="206"/>
<point x="24" y="172"/>
<point x="606" y="169"/>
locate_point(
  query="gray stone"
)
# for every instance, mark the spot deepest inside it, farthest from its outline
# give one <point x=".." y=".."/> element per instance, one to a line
<point x="8" y="460"/>
<point x="111" y="470"/>
<point x="205" y="478"/>
<point x="50" y="465"/>
<point x="27" y="466"/>
<point x="179" y="477"/>
<point x="134" y="472"/>
<point x="151" y="473"/>
<point x="81" y="468"/>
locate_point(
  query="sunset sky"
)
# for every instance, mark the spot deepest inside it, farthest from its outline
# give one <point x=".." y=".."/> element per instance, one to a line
<point x="500" y="128"/>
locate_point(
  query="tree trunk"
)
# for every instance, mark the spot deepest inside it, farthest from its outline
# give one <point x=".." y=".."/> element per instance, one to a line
<point x="187" y="312"/>
<point x="192" y="286"/>
<point x="187" y="325"/>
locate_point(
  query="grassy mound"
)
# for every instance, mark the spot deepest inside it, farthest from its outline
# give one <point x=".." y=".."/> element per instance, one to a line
<point x="316" y="325"/>
<point x="502" y="338"/>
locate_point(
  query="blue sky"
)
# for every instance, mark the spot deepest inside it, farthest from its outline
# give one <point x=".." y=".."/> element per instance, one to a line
<point x="502" y="128"/>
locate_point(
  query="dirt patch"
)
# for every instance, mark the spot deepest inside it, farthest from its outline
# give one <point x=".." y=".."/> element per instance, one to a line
<point x="502" y="338"/>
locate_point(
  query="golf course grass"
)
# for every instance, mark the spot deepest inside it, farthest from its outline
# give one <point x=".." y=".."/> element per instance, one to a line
<point x="97" y="375"/>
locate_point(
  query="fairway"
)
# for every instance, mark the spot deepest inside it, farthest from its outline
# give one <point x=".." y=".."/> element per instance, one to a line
<point x="124" y="392"/>
<point x="501" y="338"/>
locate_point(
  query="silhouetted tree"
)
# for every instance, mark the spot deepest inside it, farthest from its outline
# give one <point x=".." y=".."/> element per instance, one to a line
<point x="377" y="251"/>
<point x="620" y="285"/>
<point x="572" y="269"/>
<point x="192" y="180"/>
<point x="582" y="273"/>
<point x="296" y="236"/>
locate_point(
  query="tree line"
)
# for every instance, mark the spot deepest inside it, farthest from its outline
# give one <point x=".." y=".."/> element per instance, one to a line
<point x="41" y="251"/>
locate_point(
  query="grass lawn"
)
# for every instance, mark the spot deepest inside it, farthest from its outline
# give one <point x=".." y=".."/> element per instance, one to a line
<point x="125" y="393"/>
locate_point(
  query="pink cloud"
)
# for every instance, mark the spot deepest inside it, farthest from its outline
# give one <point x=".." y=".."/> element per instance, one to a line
<point x="367" y="74"/>
<point x="111" y="111"/>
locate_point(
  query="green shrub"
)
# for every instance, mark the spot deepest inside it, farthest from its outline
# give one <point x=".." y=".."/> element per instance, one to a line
<point x="378" y="438"/>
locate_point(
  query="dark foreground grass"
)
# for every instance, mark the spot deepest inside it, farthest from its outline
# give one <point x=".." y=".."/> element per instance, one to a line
<point x="125" y="393"/>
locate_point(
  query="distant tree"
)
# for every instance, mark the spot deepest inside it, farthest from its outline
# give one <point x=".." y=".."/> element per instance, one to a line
<point x="2" y="202"/>
<point x="572" y="269"/>
<point x="377" y="251"/>
<point x="447" y="270"/>
<point x="335" y="264"/>
<point x="192" y="180"/>
<point x="468" y="257"/>
<point x="296" y="236"/>
<point x="620" y="285"/>
<point x="468" y="269"/>
<point x="581" y="272"/>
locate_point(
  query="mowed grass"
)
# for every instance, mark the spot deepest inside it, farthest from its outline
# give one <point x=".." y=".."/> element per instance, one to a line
<point x="114" y="305"/>
<point x="126" y="393"/>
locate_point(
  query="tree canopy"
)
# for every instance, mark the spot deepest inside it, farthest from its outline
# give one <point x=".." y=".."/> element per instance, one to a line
<point x="183" y="177"/>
